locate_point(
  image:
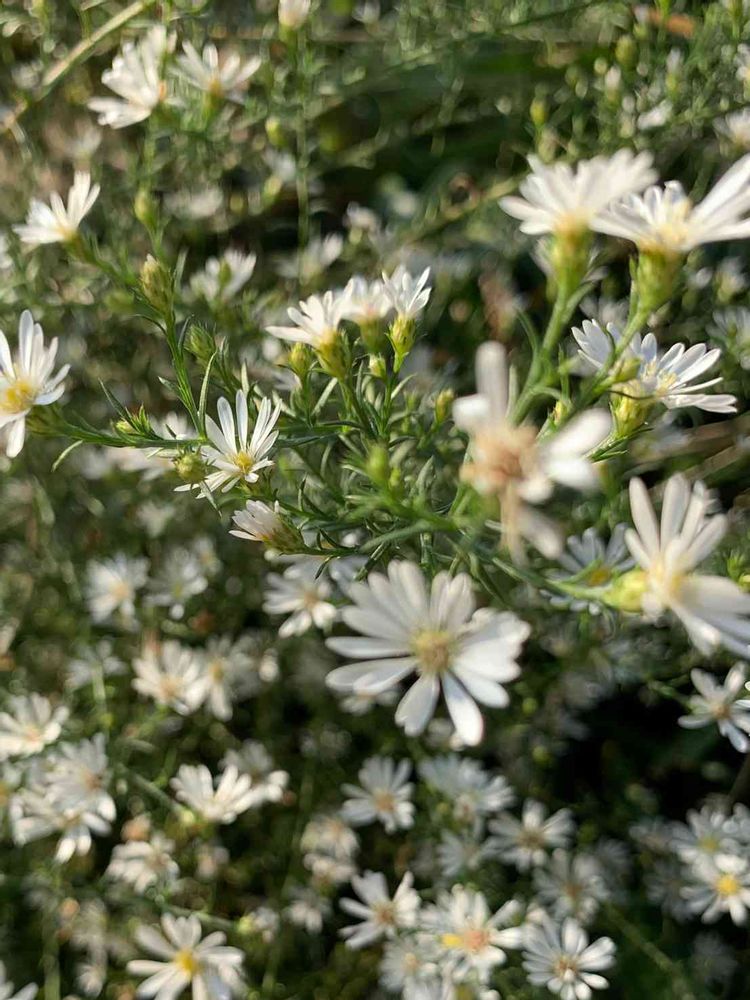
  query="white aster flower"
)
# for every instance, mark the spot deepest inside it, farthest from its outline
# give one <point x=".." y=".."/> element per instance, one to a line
<point x="459" y="854"/>
<point x="717" y="704"/>
<point x="302" y="594"/>
<point x="212" y="969"/>
<point x="510" y="461"/>
<point x="379" y="914"/>
<point x="736" y="127"/>
<point x="308" y="909"/>
<point x="472" y="939"/>
<point x="234" y="457"/>
<point x="316" y="322"/>
<point x="143" y="863"/>
<point x="406" y="294"/>
<point x="257" y="522"/>
<point x="293" y="13"/>
<point x="713" y="609"/>
<point x="229" y="671"/>
<point x="664" y="220"/>
<point x="309" y="262"/>
<point x="39" y="812"/>
<point x="525" y="842"/>
<point x="58" y="222"/>
<point x="562" y="959"/>
<point x="385" y="795"/>
<point x="180" y="577"/>
<point x="223" y="804"/>
<point x="571" y="885"/>
<point x="7" y="989"/>
<point x="112" y="586"/>
<point x="78" y="775"/>
<point x="366" y="301"/>
<point x="171" y="675"/>
<point x="593" y="563"/>
<point x="29" y="724"/>
<point x="719" y="885"/>
<point x="467" y="787"/>
<point x="407" y="969"/>
<point x="708" y="832"/>
<point x="136" y="76"/>
<point x="440" y="636"/>
<point x="330" y="834"/>
<point x="223" y="75"/>
<point x="222" y="278"/>
<point x="663" y="377"/>
<point x="26" y="381"/>
<point x="268" y="783"/>
<point x="566" y="201"/>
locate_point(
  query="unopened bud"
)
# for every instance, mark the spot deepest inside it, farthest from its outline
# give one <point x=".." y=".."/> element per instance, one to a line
<point x="378" y="366"/>
<point x="538" y="112"/>
<point x="156" y="284"/>
<point x="190" y="467"/>
<point x="444" y="405"/>
<point x="378" y="465"/>
<point x="300" y="360"/>
<point x="626" y="593"/>
<point x="333" y="354"/>
<point x="402" y="335"/>
<point x="145" y="208"/>
<point x="655" y="279"/>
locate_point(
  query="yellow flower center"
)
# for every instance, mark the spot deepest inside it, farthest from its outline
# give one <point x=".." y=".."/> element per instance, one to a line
<point x="244" y="462"/>
<point x="186" y="961"/>
<point x="472" y="939"/>
<point x="433" y="649"/>
<point x="598" y="576"/>
<point x="384" y="801"/>
<point x="502" y="455"/>
<point x="727" y="885"/>
<point x="18" y="397"/>
<point x="564" y="965"/>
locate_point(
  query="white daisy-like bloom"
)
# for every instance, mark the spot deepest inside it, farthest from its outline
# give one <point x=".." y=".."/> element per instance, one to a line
<point x="268" y="782"/>
<point x="91" y="663"/>
<point x="384" y="796"/>
<point x="566" y="201"/>
<point x="78" y="774"/>
<point x="366" y="301"/>
<point x="258" y="522"/>
<point x="232" y="795"/>
<point x="136" y="76"/>
<point x="316" y="322"/>
<point x="234" y="457"/>
<point x="330" y="834"/>
<point x="38" y="812"/>
<point x="458" y="854"/>
<point x="663" y="377"/>
<point x="143" y="863"/>
<point x="379" y="915"/>
<point x="525" y="842"/>
<point x="224" y="75"/>
<point x="309" y="262"/>
<point x="222" y="278"/>
<point x="29" y="724"/>
<point x="593" y="563"/>
<point x="302" y="594"/>
<point x="708" y="832"/>
<point x="360" y="703"/>
<point x="112" y="585"/>
<point x="736" y="128"/>
<point x="58" y="222"/>
<point x="718" y="704"/>
<point x="470" y="790"/>
<point x="406" y="293"/>
<point x="510" y="462"/>
<point x="713" y="609"/>
<point x="664" y="220"/>
<point x="293" y="13"/>
<point x="229" y="670"/>
<point x="171" y="675"/>
<point x="561" y="958"/>
<point x="8" y="990"/>
<point x="179" y="578"/>
<point x="719" y="885"/>
<point x="471" y="938"/>
<point x="437" y="634"/>
<point x="407" y="970"/>
<point x="328" y="872"/>
<point x="26" y="381"/>
<point x="308" y="909"/>
<point x="184" y="958"/>
<point x="571" y="885"/>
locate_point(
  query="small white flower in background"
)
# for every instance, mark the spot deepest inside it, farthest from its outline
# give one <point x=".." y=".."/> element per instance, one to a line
<point x="663" y="377"/>
<point x="525" y="842"/>
<point x="303" y="594"/>
<point x="593" y="563"/>
<point x="732" y="326"/>
<point x="234" y="457"/>
<point x="562" y="959"/>
<point x="308" y="909"/>
<point x="330" y="834"/>
<point x="29" y="724"/>
<point x="470" y="790"/>
<point x="229" y="668"/>
<point x="440" y="636"/>
<point x="719" y="885"/>
<point x="143" y="863"/>
<point x="223" y="75"/>
<point x="180" y="577"/>
<point x="257" y="522"/>
<point x="366" y="301"/>
<point x="407" y="969"/>
<point x="309" y="262"/>
<point x="317" y="320"/>
<point x="406" y="294"/>
<point x="136" y="76"/>
<point x="58" y="222"/>
<point x="112" y="585"/>
<point x="222" y="278"/>
<point x="571" y="885"/>
<point x="563" y="200"/>
<point x="510" y="461"/>
<point x="708" y="832"/>
<point x="664" y="219"/>
<point x="471" y="938"/>
<point x="92" y="663"/>
<point x="268" y="783"/>
<point x="26" y="381"/>
<point x="736" y="128"/>
<point x="223" y="804"/>
<point x="380" y="915"/>
<point x="7" y="989"/>
<point x="385" y="795"/>
<point x="712" y="961"/>
<point x="211" y="968"/>
<point x="293" y="13"/>
<point x="718" y="704"/>
<point x="360" y="702"/>
<point x="460" y="854"/>
<point x="171" y="675"/>
<point x="328" y="872"/>
<point x="78" y="773"/>
<point x="713" y="609"/>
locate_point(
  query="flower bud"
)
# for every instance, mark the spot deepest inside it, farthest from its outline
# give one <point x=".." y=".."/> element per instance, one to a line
<point x="333" y="354"/>
<point x="300" y="360"/>
<point x="156" y="284"/>
<point x="655" y="279"/>
<point x="626" y="593"/>
<point x="145" y="208"/>
<point x="190" y="467"/>
<point x="443" y="405"/>
<point x="378" y="366"/>
<point x="402" y="335"/>
<point x="378" y="465"/>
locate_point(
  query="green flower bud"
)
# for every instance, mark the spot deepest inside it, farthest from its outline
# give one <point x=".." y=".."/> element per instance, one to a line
<point x="378" y="465"/>
<point x="402" y="335"/>
<point x="145" y="208"/>
<point x="626" y="51"/>
<point x="190" y="467"/>
<point x="444" y="405"/>
<point x="300" y="360"/>
<point x="378" y="366"/>
<point x="626" y="593"/>
<point x="655" y="279"/>
<point x="156" y="284"/>
<point x="333" y="354"/>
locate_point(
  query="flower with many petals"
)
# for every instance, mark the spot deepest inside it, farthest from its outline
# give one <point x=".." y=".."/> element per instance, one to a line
<point x="719" y="704"/>
<point x="234" y="457"/>
<point x="58" y="222"/>
<point x="220" y="75"/>
<point x="136" y="76"/>
<point x="380" y="915"/>
<point x="561" y="958"/>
